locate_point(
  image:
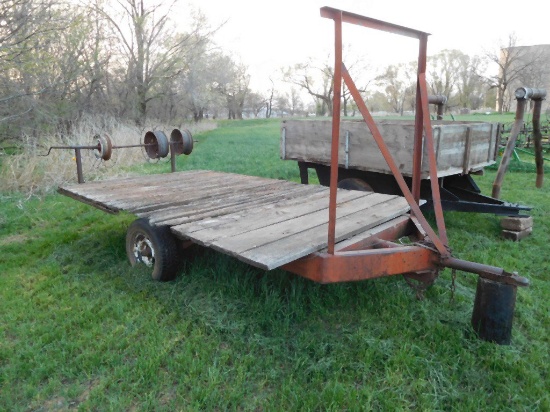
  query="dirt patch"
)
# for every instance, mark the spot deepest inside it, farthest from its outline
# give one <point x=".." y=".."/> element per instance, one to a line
<point x="13" y="239"/>
<point x="61" y="404"/>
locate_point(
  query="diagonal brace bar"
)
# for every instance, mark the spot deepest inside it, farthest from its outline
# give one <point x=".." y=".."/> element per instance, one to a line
<point x="438" y="243"/>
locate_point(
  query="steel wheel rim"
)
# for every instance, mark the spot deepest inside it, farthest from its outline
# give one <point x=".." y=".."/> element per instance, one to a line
<point x="143" y="250"/>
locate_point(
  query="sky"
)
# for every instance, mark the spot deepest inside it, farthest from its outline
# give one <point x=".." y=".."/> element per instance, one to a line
<point x="268" y="35"/>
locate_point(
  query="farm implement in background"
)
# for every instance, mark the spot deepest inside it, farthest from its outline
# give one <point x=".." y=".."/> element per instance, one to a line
<point x="523" y="95"/>
<point x="462" y="149"/>
<point x="155" y="145"/>
<point x="326" y="234"/>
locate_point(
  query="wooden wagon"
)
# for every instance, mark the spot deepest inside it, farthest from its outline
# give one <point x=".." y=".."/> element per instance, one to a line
<point x="461" y="150"/>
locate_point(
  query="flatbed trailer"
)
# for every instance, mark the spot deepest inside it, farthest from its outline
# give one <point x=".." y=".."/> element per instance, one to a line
<point x="264" y="222"/>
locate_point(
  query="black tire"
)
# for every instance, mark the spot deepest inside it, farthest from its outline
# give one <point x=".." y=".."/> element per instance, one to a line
<point x="354" y="183"/>
<point x="154" y="246"/>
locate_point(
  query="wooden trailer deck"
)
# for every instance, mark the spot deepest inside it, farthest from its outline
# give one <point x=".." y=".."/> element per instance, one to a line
<point x="264" y="222"/>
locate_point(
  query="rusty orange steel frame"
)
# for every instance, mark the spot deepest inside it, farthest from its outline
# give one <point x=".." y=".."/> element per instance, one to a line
<point x="377" y="256"/>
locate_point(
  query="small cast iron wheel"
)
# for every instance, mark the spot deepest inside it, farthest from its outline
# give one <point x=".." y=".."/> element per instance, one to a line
<point x="354" y="183"/>
<point x="156" y="144"/>
<point x="155" y="247"/>
<point x="104" y="147"/>
<point x="182" y="141"/>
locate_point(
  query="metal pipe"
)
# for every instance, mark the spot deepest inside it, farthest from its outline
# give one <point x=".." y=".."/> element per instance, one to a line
<point x="530" y="93"/>
<point x="437" y="99"/>
<point x="485" y="271"/>
<point x="369" y="22"/>
<point x="172" y="161"/>
<point x="78" y="156"/>
<point x="417" y="144"/>
<point x="335" y="131"/>
<point x="440" y="101"/>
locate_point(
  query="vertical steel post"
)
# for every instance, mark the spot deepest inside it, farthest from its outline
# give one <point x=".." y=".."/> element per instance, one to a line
<point x="418" y="121"/>
<point x="172" y="157"/>
<point x="335" y="131"/>
<point x="78" y="156"/>
<point x="440" y="108"/>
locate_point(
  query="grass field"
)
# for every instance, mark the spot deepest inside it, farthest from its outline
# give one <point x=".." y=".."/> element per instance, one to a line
<point x="81" y="330"/>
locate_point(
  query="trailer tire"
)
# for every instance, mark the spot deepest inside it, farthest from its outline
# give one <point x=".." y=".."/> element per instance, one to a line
<point x="154" y="246"/>
<point x="354" y="183"/>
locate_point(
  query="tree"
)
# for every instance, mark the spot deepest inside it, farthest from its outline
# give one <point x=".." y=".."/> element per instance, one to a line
<point x="511" y="61"/>
<point x="269" y="101"/>
<point x="470" y="86"/>
<point x="399" y="82"/>
<point x="23" y="25"/>
<point x="442" y="75"/>
<point x="255" y="103"/>
<point x="150" y="46"/>
<point x="52" y="64"/>
<point x="317" y="80"/>
<point x="232" y="82"/>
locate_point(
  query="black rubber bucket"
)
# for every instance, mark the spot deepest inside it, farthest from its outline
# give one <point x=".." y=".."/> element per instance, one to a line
<point x="494" y="311"/>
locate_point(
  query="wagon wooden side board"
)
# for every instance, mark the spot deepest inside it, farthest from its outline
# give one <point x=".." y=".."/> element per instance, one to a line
<point x="460" y="147"/>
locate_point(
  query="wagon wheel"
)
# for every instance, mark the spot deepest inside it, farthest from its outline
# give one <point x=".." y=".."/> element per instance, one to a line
<point x="154" y="246"/>
<point x="157" y="145"/>
<point x="354" y="183"/>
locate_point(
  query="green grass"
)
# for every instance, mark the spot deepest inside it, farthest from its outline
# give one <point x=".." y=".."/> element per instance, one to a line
<point x="81" y="330"/>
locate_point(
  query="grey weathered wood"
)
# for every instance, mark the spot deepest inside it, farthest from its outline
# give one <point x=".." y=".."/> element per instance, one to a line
<point x="225" y="207"/>
<point x="280" y="252"/>
<point x="516" y="223"/>
<point x="460" y="146"/>
<point x="280" y="222"/>
<point x="517" y="236"/>
<point x="269" y="234"/>
<point x="314" y="200"/>
<point x="262" y="221"/>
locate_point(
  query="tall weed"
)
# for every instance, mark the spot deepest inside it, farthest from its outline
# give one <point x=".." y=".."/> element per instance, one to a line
<point x="31" y="172"/>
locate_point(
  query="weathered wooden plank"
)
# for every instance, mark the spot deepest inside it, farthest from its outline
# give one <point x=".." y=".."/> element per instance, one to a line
<point x="215" y="214"/>
<point x="310" y="141"/>
<point x="276" y="216"/>
<point x="183" y="205"/>
<point x="138" y="190"/>
<point x="219" y="207"/>
<point x="265" y="235"/>
<point x="91" y="202"/>
<point x="282" y="251"/>
<point x="134" y="196"/>
<point x="203" y="192"/>
<point x="172" y="200"/>
<point x="98" y="187"/>
<point x="135" y="188"/>
<point x="261" y="211"/>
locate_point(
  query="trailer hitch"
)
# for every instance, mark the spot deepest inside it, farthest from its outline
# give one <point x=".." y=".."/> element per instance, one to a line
<point x="493" y="273"/>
